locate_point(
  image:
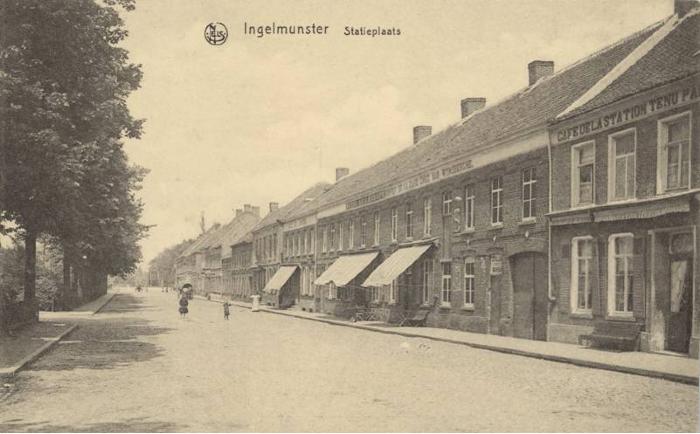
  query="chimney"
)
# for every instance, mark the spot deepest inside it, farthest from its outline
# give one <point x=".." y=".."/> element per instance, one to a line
<point x="247" y="208"/>
<point x="682" y="7"/>
<point x="274" y="206"/>
<point x="538" y="69"/>
<point x="421" y="132"/>
<point x="470" y="105"/>
<point x="255" y="210"/>
<point x="341" y="172"/>
<point x="238" y="211"/>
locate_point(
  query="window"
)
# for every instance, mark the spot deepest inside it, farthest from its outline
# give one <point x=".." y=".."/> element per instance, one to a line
<point x="306" y="241"/>
<point x="332" y="291"/>
<point x="374" y="294"/>
<point x="674" y="153"/>
<point x="324" y="247"/>
<point x="331" y="240"/>
<point x="529" y="193"/>
<point x="447" y="203"/>
<point x="427" y="279"/>
<point x="427" y="216"/>
<point x="409" y="221"/>
<point x="446" y="283"/>
<point x="393" y="291"/>
<point x="313" y="242"/>
<point x="469" y="282"/>
<point x="620" y="274"/>
<point x="621" y="151"/>
<point x="497" y="200"/>
<point x="394" y="224"/>
<point x="583" y="162"/>
<point x="351" y="235"/>
<point x="469" y="207"/>
<point x="581" y="273"/>
<point x="340" y="236"/>
<point x="363" y="233"/>
<point x="376" y="228"/>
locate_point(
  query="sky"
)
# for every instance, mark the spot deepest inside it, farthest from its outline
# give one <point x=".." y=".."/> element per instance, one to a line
<point x="259" y="120"/>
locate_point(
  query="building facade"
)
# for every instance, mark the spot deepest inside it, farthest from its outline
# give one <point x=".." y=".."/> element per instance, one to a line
<point x="625" y="201"/>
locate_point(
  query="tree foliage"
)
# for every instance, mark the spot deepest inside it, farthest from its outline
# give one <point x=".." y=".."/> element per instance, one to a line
<point x="64" y="84"/>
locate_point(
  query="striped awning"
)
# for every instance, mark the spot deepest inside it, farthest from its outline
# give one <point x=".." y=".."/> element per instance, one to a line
<point x="345" y="268"/>
<point x="280" y="278"/>
<point x="644" y="211"/>
<point x="395" y="264"/>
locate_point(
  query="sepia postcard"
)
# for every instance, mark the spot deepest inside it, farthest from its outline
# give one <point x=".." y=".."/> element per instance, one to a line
<point x="335" y="216"/>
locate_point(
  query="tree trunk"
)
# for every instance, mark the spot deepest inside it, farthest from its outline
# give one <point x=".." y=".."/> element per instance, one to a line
<point x="29" y="266"/>
<point x="66" y="279"/>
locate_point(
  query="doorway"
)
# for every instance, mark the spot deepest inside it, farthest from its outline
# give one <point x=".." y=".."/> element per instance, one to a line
<point x="529" y="275"/>
<point x="680" y="316"/>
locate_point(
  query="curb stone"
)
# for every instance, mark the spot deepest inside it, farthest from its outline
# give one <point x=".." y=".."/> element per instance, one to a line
<point x="12" y="370"/>
<point x="679" y="378"/>
<point x="104" y="304"/>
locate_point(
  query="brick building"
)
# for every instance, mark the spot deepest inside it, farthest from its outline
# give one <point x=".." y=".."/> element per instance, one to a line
<point x="201" y="264"/>
<point x="278" y="275"/>
<point x="625" y="198"/>
<point x="237" y="272"/>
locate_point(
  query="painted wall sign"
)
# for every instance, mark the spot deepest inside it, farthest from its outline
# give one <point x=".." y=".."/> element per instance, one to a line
<point x="630" y="113"/>
<point x="412" y="183"/>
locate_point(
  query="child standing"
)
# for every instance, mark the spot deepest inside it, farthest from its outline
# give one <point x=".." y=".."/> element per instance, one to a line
<point x="226" y="309"/>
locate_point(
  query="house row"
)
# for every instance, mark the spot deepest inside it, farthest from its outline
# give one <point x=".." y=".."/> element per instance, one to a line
<point x="568" y="209"/>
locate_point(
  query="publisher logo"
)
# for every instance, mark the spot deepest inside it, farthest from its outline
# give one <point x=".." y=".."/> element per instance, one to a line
<point x="216" y="33"/>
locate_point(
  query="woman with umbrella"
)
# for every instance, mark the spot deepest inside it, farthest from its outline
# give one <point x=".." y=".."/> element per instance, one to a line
<point x="184" y="303"/>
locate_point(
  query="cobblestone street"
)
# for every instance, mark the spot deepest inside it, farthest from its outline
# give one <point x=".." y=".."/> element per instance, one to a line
<point x="138" y="367"/>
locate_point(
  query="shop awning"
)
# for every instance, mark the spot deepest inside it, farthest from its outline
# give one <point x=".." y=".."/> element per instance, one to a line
<point x="570" y="219"/>
<point x="644" y="211"/>
<point x="280" y="278"/>
<point x="345" y="268"/>
<point x="395" y="264"/>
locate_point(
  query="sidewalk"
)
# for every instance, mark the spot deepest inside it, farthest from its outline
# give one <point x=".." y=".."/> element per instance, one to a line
<point x="669" y="367"/>
<point x="30" y="342"/>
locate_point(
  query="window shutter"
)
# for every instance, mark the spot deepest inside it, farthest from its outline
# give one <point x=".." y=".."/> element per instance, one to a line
<point x="598" y="294"/>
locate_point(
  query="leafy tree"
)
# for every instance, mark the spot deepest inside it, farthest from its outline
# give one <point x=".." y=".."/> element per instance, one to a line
<point x="64" y="82"/>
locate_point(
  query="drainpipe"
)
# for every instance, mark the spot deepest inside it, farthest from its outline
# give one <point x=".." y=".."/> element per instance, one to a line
<point x="550" y="297"/>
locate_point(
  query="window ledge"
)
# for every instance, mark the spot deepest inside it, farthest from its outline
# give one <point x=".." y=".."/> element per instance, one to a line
<point x="582" y="314"/>
<point x="444" y="305"/>
<point x="621" y="317"/>
<point x="496" y="225"/>
<point x="528" y="221"/>
<point x="468" y="308"/>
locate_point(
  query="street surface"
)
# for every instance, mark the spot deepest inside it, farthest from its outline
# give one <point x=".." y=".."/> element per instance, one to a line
<point x="137" y="366"/>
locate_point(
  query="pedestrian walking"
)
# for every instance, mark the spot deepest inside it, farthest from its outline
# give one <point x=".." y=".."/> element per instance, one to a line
<point x="227" y="311"/>
<point x="183" y="307"/>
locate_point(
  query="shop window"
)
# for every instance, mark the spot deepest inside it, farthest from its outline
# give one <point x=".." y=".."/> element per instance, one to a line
<point x="374" y="294"/>
<point x="621" y="165"/>
<point x="469" y="282"/>
<point x="427" y="216"/>
<point x="446" y="288"/>
<point x="409" y="221"/>
<point x="469" y="207"/>
<point x="529" y="193"/>
<point x="376" y="228"/>
<point x="394" y="224"/>
<point x="427" y="279"/>
<point x="674" y="153"/>
<point x="620" y="274"/>
<point x="497" y="200"/>
<point x="581" y="273"/>
<point x="582" y="176"/>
